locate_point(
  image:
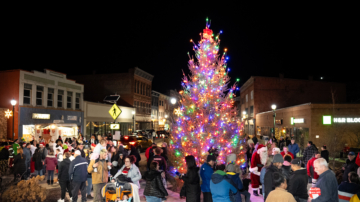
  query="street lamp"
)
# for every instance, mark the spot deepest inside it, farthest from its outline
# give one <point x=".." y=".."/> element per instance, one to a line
<point x="273" y="107"/>
<point x="133" y="113"/>
<point x="173" y="100"/>
<point x="13" y="103"/>
<point x="166" y="116"/>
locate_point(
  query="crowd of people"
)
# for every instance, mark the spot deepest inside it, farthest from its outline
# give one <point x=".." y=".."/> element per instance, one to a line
<point x="280" y="173"/>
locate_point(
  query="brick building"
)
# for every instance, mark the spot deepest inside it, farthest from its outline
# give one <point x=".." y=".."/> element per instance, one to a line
<point x="134" y="88"/>
<point x="315" y="122"/>
<point x="258" y="94"/>
<point x="3" y="124"/>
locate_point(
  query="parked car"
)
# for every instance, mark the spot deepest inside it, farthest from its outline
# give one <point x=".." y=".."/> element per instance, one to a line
<point x="141" y="143"/>
<point x="162" y="134"/>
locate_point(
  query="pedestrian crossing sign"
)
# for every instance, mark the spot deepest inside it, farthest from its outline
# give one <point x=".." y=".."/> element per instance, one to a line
<point x="115" y="111"/>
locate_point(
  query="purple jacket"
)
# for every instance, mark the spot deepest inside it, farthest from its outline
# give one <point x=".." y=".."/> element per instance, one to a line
<point x="50" y="162"/>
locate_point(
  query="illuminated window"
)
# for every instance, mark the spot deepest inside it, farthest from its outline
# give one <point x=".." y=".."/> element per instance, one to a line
<point x="39" y="95"/>
<point x="27" y="94"/>
<point x="50" y="97"/>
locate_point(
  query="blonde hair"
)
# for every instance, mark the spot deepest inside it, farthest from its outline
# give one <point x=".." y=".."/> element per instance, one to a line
<point x="20" y="151"/>
<point x="103" y="151"/>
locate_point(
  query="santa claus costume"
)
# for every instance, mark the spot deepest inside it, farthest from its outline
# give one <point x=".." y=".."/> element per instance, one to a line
<point x="258" y="160"/>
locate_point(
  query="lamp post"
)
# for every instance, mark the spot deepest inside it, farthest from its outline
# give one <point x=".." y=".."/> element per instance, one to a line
<point x="273" y="107"/>
<point x="13" y="103"/>
<point x="173" y="101"/>
<point x="133" y="113"/>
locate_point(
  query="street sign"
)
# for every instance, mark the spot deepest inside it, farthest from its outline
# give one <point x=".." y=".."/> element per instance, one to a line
<point x="114" y="126"/>
<point x="115" y="111"/>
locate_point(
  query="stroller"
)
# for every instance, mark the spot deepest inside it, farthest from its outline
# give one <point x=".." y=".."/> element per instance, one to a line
<point x="115" y="191"/>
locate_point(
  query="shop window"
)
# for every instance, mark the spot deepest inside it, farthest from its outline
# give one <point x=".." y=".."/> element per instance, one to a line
<point x="77" y="101"/>
<point x="39" y="95"/>
<point x="252" y="95"/>
<point x="68" y="100"/>
<point x="27" y="93"/>
<point x="60" y="98"/>
<point x="50" y="97"/>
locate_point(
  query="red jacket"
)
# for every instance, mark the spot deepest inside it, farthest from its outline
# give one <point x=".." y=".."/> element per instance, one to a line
<point x="289" y="153"/>
<point x="50" y="162"/>
<point x="147" y="152"/>
<point x="311" y="168"/>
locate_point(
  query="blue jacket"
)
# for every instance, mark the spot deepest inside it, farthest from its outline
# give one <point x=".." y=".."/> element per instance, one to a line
<point x="348" y="187"/>
<point x="78" y="169"/>
<point x="294" y="149"/>
<point x="205" y="173"/>
<point x="220" y="186"/>
<point x="328" y="186"/>
<point x="262" y="177"/>
<point x="27" y="154"/>
<point x="236" y="180"/>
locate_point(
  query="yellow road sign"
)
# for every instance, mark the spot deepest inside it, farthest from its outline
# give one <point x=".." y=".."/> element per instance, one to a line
<point x="115" y="111"/>
<point x="114" y="126"/>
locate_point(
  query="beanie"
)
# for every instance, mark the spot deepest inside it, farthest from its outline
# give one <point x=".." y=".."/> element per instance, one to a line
<point x="230" y="167"/>
<point x="278" y="159"/>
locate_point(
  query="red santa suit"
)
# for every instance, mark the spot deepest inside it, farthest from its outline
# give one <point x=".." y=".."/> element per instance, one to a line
<point x="258" y="161"/>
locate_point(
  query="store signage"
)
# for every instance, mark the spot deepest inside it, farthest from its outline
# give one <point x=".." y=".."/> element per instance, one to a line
<point x="114" y="111"/>
<point x="40" y="116"/>
<point x="279" y="122"/>
<point x="327" y="119"/>
<point x="296" y="120"/>
<point x="114" y="126"/>
<point x="72" y="118"/>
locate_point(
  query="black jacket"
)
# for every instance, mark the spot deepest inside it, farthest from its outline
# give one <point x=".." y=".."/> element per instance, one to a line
<point x="64" y="170"/>
<point x="192" y="185"/>
<point x="325" y="155"/>
<point x="350" y="166"/>
<point x="37" y="158"/>
<point x="298" y="182"/>
<point x="136" y="154"/>
<point x="19" y="164"/>
<point x="154" y="185"/>
<point x="4" y="154"/>
<point x="78" y="169"/>
<point x="164" y="153"/>
<point x="268" y="179"/>
<point x="161" y="160"/>
<point x="286" y="170"/>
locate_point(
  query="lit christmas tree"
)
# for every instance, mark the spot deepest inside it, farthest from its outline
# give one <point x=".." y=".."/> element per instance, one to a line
<point x="206" y="116"/>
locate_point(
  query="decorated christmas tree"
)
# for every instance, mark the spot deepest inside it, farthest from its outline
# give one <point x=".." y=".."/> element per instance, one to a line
<point x="206" y="117"/>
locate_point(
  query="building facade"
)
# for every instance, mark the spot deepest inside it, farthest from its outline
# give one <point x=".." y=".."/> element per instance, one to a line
<point x="155" y="110"/>
<point x="48" y="104"/>
<point x="164" y="109"/>
<point x="3" y="123"/>
<point x="134" y="88"/>
<point x="258" y="94"/>
<point x="315" y="122"/>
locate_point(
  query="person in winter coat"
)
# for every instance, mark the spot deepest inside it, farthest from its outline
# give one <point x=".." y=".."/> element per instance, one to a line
<point x="255" y="140"/>
<point x="286" y="167"/>
<point x="37" y="158"/>
<point x="263" y="171"/>
<point x="282" y="143"/>
<point x="285" y="152"/>
<point x="149" y="150"/>
<point x="51" y="163"/>
<point x="279" y="194"/>
<point x="63" y="176"/>
<point x="99" y="172"/>
<point x="221" y="185"/>
<point x="19" y="164"/>
<point x="327" y="182"/>
<point x="27" y="154"/>
<point x="309" y="152"/>
<point x="154" y="189"/>
<point x="78" y="176"/>
<point x="135" y="153"/>
<point x="161" y="160"/>
<point x="298" y="182"/>
<point x="89" y="177"/>
<point x="249" y="152"/>
<point x="352" y="186"/>
<point x="293" y="147"/>
<point x="206" y="172"/>
<point x="311" y="169"/>
<point x="121" y="160"/>
<point x="164" y="150"/>
<point x="191" y="180"/>
<point x="325" y="153"/>
<point x="235" y="178"/>
<point x="349" y="166"/>
<point x="130" y="170"/>
<point x="93" y="139"/>
<point x="268" y="179"/>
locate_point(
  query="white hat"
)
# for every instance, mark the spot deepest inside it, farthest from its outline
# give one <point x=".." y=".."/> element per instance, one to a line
<point x="77" y="152"/>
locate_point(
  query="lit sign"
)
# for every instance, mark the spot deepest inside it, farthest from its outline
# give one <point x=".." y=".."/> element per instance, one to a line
<point x="72" y="118"/>
<point x="114" y="111"/>
<point x="298" y="120"/>
<point x="40" y="116"/>
<point x="8" y="113"/>
<point x="114" y="126"/>
<point x="327" y="120"/>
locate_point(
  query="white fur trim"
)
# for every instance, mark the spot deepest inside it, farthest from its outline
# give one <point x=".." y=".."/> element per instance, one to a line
<point x="262" y="149"/>
<point x="254" y="169"/>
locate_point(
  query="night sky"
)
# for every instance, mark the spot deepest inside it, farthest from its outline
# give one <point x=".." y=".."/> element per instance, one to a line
<point x="262" y="40"/>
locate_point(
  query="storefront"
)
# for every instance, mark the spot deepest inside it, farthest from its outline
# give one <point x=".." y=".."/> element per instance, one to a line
<point x="97" y="120"/>
<point x="313" y="122"/>
<point x="49" y="123"/>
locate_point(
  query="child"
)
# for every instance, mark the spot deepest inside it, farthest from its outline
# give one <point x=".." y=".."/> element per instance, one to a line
<point x="102" y="145"/>
<point x="51" y="163"/>
<point x="126" y="198"/>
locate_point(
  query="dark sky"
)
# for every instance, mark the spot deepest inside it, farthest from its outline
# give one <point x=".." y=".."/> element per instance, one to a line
<point x="262" y="39"/>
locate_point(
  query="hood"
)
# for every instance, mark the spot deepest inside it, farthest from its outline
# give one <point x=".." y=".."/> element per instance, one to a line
<point x="66" y="161"/>
<point x="50" y="156"/>
<point x="218" y="176"/>
<point x="150" y="175"/>
<point x="232" y="175"/>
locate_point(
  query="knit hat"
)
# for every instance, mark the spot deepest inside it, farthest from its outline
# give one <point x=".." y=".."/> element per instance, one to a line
<point x="230" y="167"/>
<point x="278" y="159"/>
<point x="210" y="158"/>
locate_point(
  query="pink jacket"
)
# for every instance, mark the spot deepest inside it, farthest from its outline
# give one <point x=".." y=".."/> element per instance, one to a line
<point x="50" y="162"/>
